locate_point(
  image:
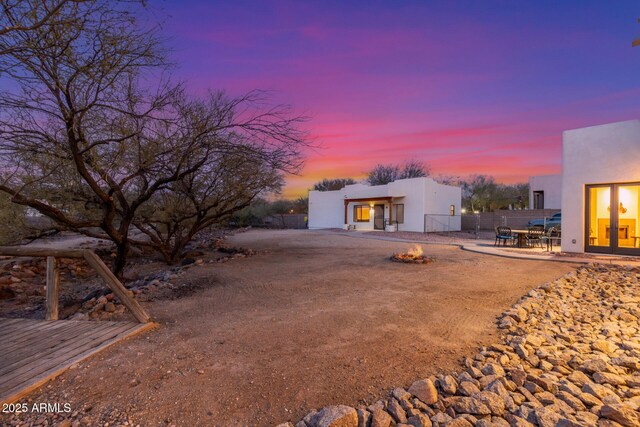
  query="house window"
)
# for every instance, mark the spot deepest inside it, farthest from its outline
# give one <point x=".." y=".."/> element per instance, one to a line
<point x="452" y="210"/>
<point x="361" y="213"/>
<point x="398" y="213"/>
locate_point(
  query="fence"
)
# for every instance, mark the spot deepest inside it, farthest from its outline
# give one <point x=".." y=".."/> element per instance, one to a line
<point x="515" y="219"/>
<point x="285" y="221"/>
<point x="443" y="223"/>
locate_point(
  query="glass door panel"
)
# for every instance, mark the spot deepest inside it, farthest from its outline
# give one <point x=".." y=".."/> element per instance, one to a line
<point x="599" y="218"/>
<point x="628" y="217"/>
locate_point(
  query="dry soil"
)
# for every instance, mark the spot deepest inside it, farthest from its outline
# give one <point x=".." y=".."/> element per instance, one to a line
<point x="316" y="318"/>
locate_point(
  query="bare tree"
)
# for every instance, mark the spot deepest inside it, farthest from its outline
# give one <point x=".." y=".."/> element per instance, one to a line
<point x="227" y="183"/>
<point x="29" y="15"/>
<point x="384" y="174"/>
<point x="94" y="132"/>
<point x="414" y="169"/>
<point x="332" y="184"/>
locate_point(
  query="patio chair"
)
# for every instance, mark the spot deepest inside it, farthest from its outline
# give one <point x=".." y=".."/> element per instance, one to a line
<point x="552" y="236"/>
<point x="534" y="237"/>
<point x="504" y="235"/>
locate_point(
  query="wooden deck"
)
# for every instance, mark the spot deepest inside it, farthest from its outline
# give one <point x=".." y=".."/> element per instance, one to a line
<point x="34" y="351"/>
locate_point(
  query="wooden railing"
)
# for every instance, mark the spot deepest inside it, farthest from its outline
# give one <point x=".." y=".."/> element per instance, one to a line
<point x="53" y="277"/>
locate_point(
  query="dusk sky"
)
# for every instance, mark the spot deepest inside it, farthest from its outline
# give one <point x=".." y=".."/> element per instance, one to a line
<point x="469" y="87"/>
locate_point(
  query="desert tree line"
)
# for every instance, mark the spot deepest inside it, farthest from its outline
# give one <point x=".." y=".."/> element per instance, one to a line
<point x="479" y="192"/>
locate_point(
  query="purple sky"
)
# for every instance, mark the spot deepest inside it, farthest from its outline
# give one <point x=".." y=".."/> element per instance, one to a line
<point x="468" y="87"/>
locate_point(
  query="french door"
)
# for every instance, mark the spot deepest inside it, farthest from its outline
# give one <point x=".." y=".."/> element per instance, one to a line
<point x="613" y="218"/>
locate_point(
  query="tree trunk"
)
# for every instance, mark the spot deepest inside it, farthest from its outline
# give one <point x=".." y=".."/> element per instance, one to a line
<point x="122" y="251"/>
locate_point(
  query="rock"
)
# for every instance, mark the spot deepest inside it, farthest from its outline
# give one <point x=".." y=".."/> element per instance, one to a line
<point x="608" y="378"/>
<point x="467" y="388"/>
<point x="441" y="418"/>
<point x="425" y="391"/>
<point x="470" y="405"/>
<point x="285" y="425"/>
<point x="515" y="421"/>
<point x="546" y="384"/>
<point x="419" y="420"/>
<point x="380" y="418"/>
<point x="621" y="414"/>
<point x="400" y="393"/>
<point x="627" y="362"/>
<point x="597" y="390"/>
<point x="565" y="422"/>
<point x="396" y="411"/>
<point x="109" y="307"/>
<point x="589" y="399"/>
<point x="571" y="400"/>
<point x="448" y="384"/>
<point x="335" y="416"/>
<point x="494" y="402"/>
<point x="595" y="364"/>
<point x="497" y="388"/>
<point x="578" y="378"/>
<point x="586" y="419"/>
<point x="604" y="346"/>
<point x="518" y="376"/>
<point x="493" y="369"/>
<point x="546" y="418"/>
<point x="459" y="422"/>
<point x="364" y="418"/>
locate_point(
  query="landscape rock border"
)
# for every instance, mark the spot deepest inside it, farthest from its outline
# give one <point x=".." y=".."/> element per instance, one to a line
<point x="569" y="357"/>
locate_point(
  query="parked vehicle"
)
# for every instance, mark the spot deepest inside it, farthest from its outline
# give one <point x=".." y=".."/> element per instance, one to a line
<point x="553" y="221"/>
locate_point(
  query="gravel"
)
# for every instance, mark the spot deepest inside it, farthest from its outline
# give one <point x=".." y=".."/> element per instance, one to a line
<point x="569" y="356"/>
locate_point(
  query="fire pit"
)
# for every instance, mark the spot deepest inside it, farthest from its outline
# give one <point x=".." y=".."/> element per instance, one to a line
<point x="412" y="256"/>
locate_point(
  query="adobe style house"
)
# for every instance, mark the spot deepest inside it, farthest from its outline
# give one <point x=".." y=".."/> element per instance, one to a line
<point x="414" y="204"/>
<point x="545" y="192"/>
<point x="601" y="189"/>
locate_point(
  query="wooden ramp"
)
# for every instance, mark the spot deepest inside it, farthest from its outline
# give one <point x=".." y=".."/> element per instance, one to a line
<point x="34" y="351"/>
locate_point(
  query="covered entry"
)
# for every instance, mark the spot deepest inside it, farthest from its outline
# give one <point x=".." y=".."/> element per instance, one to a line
<point x="370" y="209"/>
<point x="613" y="218"/>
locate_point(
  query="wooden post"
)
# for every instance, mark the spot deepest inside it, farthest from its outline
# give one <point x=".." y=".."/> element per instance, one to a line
<point x="53" y="280"/>
<point x="118" y="289"/>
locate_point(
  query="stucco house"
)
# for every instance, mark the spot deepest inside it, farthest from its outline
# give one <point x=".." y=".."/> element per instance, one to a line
<point x="414" y="204"/>
<point x="601" y="189"/>
<point x="545" y="191"/>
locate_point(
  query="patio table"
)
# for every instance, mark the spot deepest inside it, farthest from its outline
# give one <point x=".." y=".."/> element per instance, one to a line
<point x="522" y="237"/>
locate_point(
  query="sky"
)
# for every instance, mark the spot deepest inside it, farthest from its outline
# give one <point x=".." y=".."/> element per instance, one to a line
<point x="468" y="87"/>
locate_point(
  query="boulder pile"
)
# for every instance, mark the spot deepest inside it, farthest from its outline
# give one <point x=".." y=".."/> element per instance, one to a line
<point x="569" y="357"/>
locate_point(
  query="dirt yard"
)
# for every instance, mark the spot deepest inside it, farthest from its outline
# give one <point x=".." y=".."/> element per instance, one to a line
<point x="320" y="318"/>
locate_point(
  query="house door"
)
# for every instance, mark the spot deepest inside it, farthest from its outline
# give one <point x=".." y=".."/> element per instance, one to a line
<point x="538" y="200"/>
<point x="378" y="217"/>
<point x="613" y="219"/>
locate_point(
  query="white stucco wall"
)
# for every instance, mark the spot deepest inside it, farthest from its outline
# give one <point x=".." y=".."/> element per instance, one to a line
<point x="594" y="155"/>
<point x="326" y="209"/>
<point x="419" y="196"/>
<point x="414" y="191"/>
<point x="552" y="187"/>
<point x="437" y="207"/>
